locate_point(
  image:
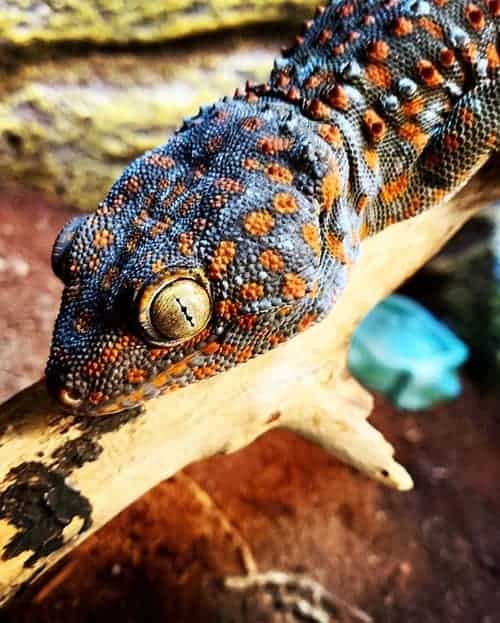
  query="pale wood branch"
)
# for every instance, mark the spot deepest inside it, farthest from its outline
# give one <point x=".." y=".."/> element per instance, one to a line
<point x="61" y="478"/>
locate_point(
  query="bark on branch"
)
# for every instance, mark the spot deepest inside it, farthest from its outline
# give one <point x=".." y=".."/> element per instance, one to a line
<point x="62" y="478"/>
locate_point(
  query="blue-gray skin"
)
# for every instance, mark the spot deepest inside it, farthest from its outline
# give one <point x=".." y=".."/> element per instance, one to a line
<point x="240" y="232"/>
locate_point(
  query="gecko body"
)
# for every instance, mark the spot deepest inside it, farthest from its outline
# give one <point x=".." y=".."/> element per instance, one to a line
<point x="240" y="232"/>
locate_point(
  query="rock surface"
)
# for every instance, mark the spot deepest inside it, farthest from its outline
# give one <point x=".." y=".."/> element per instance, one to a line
<point x="69" y="125"/>
<point x="145" y="21"/>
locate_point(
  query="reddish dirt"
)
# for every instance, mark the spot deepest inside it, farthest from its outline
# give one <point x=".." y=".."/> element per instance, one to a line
<point x="29" y="291"/>
<point x="431" y="555"/>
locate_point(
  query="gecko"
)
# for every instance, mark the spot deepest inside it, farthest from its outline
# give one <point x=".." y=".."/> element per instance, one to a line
<point x="240" y="232"/>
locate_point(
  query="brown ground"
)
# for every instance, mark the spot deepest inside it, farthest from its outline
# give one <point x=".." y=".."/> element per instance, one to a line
<point x="431" y="555"/>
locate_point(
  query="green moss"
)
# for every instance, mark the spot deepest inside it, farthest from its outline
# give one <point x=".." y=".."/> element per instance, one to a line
<point x="69" y="127"/>
<point x="23" y="22"/>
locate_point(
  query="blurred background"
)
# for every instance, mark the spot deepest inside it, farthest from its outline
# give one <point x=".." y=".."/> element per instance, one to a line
<point x="85" y="87"/>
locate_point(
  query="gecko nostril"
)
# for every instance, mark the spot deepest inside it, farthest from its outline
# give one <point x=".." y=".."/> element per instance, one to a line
<point x="69" y="398"/>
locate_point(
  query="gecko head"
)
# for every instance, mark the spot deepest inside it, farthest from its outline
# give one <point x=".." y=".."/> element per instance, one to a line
<point x="205" y="253"/>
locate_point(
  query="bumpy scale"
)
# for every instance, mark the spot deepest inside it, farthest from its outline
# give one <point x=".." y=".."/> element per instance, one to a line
<point x="240" y="232"/>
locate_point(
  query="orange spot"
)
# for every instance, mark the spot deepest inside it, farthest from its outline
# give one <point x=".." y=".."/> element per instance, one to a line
<point x="282" y="79"/>
<point x="244" y="354"/>
<point x="214" y="144"/>
<point x="136" y="375"/>
<point x="109" y="278"/>
<point x="402" y="27"/>
<point x="185" y="243"/>
<point x="160" y="227"/>
<point x="429" y="75"/>
<point x="371" y="158"/>
<point x="335" y="247"/>
<point x="136" y="396"/>
<point x="211" y="348"/>
<point x="492" y="56"/>
<point x="285" y="203"/>
<point x="272" y="145"/>
<point x="346" y="10"/>
<point x="431" y="27"/>
<point x="306" y="322"/>
<point x="324" y="36"/>
<point x="451" y="142"/>
<point x="378" y="75"/>
<point x="338" y="98"/>
<point x="250" y="164"/>
<point x="258" y="223"/>
<point x="311" y="236"/>
<point x="447" y="57"/>
<point x="413" y="107"/>
<point x="279" y="174"/>
<point x="276" y="339"/>
<point x="467" y="116"/>
<point x="374" y="125"/>
<point x="228" y="185"/>
<point x="96" y="397"/>
<point x="218" y="201"/>
<point x="440" y="3"/>
<point x="94" y="263"/>
<point x="314" y="81"/>
<point x="378" y="51"/>
<point x="158" y="266"/>
<point x="494" y="7"/>
<point x="414" y="135"/>
<point x="394" y="189"/>
<point x="251" y="124"/>
<point x="318" y="110"/>
<point x="221" y="116"/>
<point x="103" y="238"/>
<point x="294" y="287"/>
<point x="178" y="369"/>
<point x="272" y="260"/>
<point x="223" y="256"/>
<point x="413" y="208"/>
<point x="293" y="94"/>
<point x="159" y="353"/>
<point x="331" y="134"/>
<point x="133" y="184"/>
<point x="247" y="322"/>
<point x="165" y="162"/>
<point x="252" y="291"/>
<point x="331" y="188"/>
<point x="475" y="16"/>
<point x="204" y="372"/>
<point x="364" y="231"/>
<point x="94" y="368"/>
<point x="227" y="350"/>
<point x="226" y="309"/>
<point x="438" y="194"/>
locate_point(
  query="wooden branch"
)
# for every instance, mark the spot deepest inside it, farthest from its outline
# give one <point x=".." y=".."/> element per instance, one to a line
<point x="62" y="477"/>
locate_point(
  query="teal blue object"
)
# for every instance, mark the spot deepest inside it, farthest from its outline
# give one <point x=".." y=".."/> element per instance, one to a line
<point x="404" y="352"/>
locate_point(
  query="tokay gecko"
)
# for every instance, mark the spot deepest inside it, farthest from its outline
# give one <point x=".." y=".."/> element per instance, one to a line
<point x="241" y="231"/>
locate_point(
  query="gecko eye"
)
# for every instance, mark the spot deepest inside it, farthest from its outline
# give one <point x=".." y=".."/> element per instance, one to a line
<point x="175" y="311"/>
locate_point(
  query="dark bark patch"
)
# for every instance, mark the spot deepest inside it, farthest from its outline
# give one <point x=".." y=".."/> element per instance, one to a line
<point x="40" y="504"/>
